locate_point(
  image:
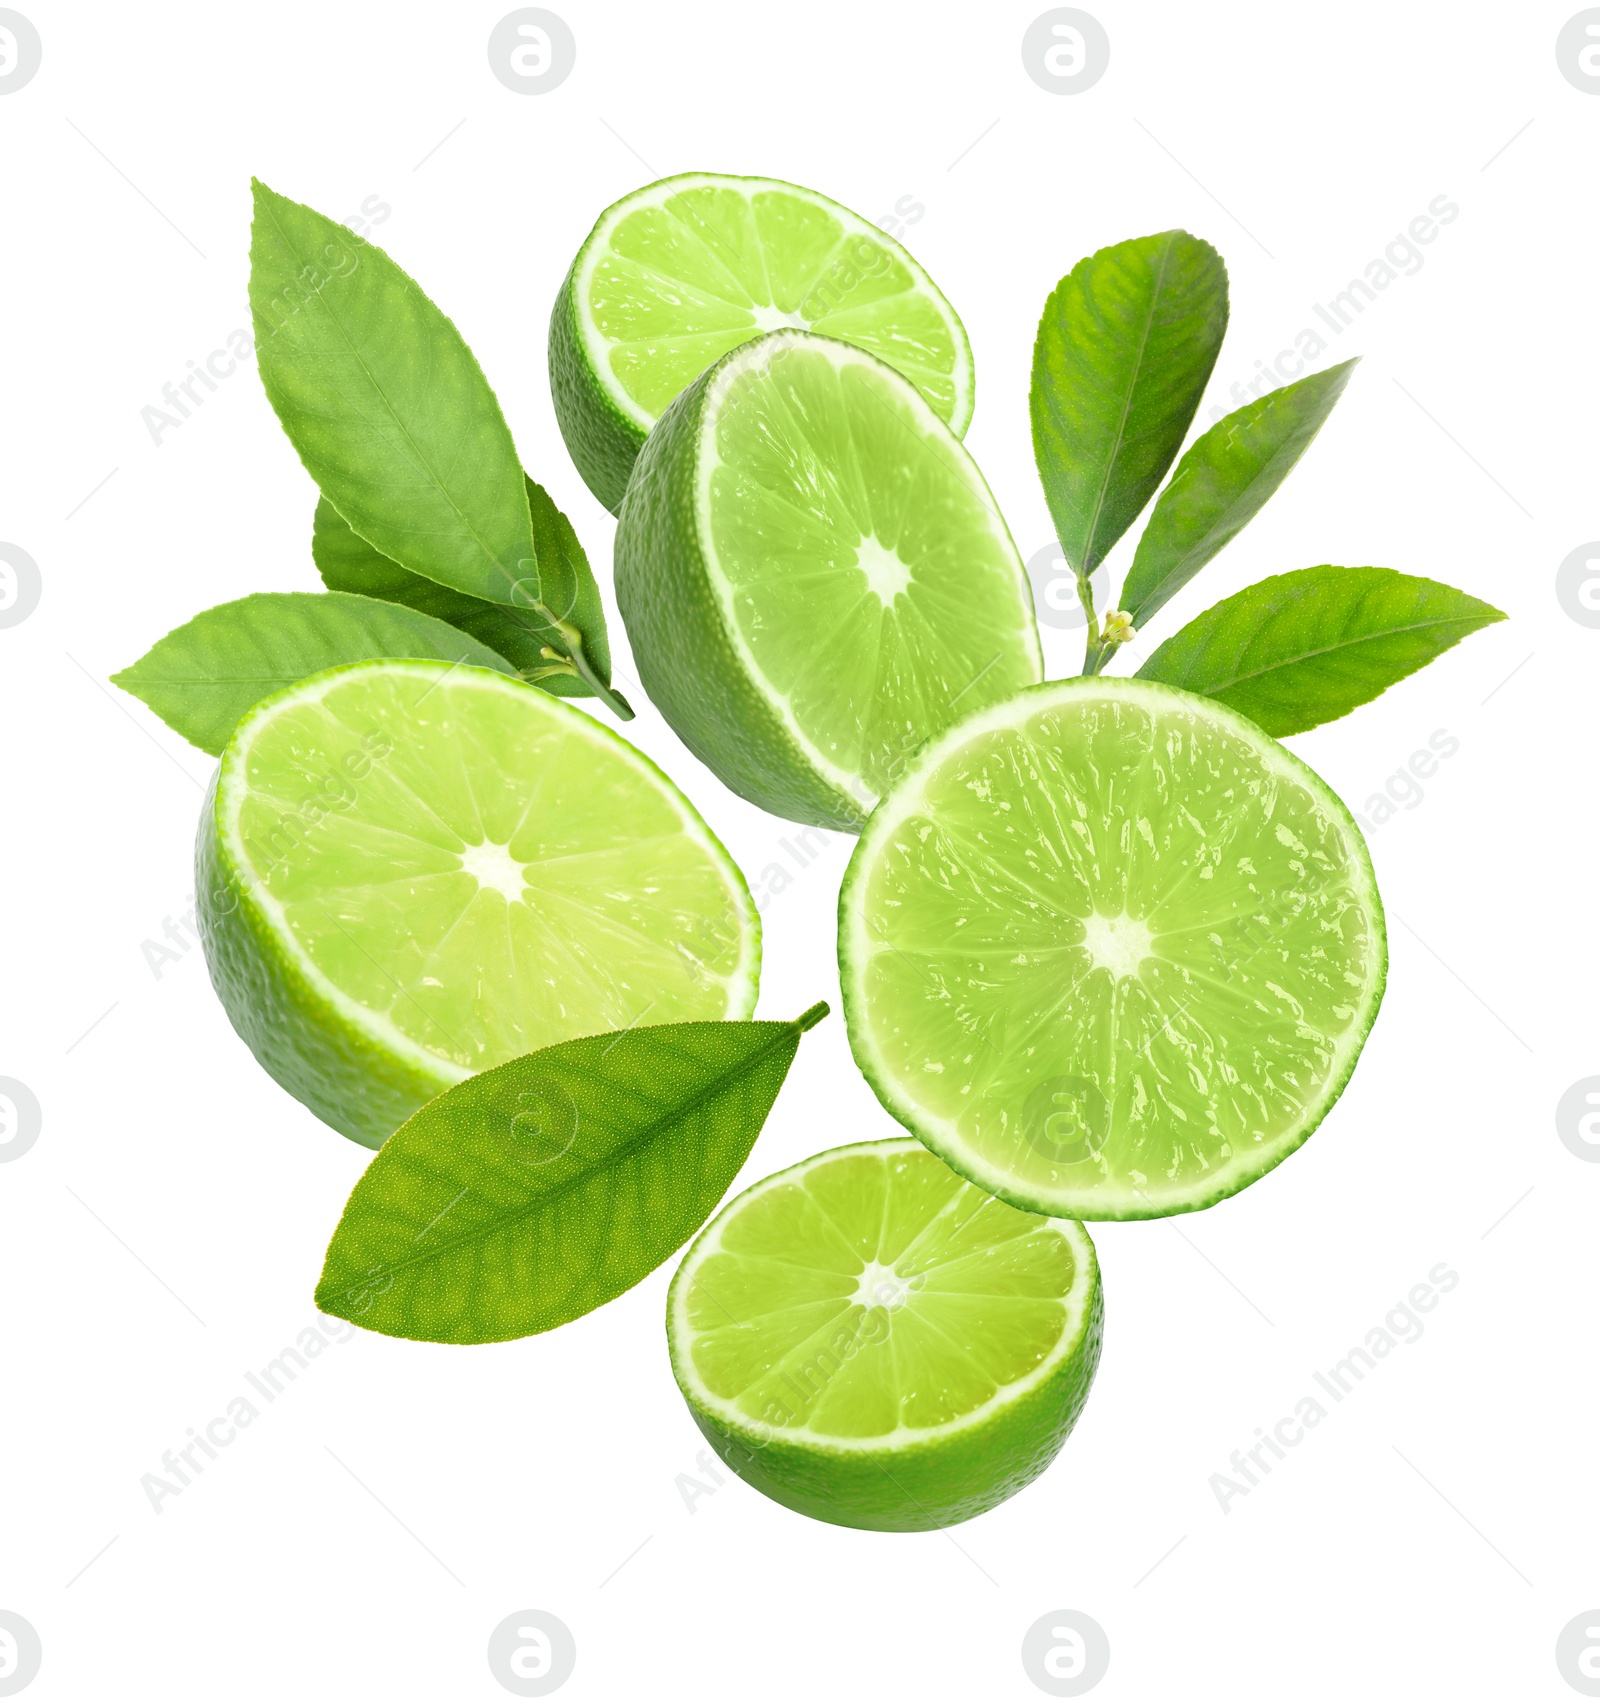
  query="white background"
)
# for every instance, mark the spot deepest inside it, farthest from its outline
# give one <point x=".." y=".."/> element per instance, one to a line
<point x="363" y="1537"/>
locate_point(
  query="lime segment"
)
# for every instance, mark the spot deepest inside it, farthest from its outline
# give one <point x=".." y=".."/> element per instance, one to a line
<point x="680" y="272"/>
<point x="439" y="869"/>
<point x="1110" y="950"/>
<point x="870" y="1339"/>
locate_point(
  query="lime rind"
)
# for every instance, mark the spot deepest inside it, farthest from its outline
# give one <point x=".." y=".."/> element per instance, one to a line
<point x="1100" y="1201"/>
<point x="353" y="1065"/>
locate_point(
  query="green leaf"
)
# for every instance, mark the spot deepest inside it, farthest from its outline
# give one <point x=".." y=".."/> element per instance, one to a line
<point x="393" y="417"/>
<point x="386" y="405"/>
<point x="1303" y="648"/>
<point x="1224" y="478"/>
<point x="204" y="676"/>
<point x="347" y="563"/>
<point x="538" y="1190"/>
<point x="1125" y="347"/>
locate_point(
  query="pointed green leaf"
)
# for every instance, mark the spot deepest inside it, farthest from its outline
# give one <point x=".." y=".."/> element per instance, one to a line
<point x="1224" y="478"/>
<point x="538" y="1190"/>
<point x="204" y="676"/>
<point x="347" y="563"/>
<point x="1125" y="347"/>
<point x="386" y="405"/>
<point x="1303" y="648"/>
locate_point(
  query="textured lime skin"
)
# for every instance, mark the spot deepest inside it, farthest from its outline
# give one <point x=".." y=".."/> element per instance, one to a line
<point x="1086" y="1205"/>
<point x="681" y="648"/>
<point x="601" y="440"/>
<point x="931" y="1484"/>
<point x="289" y="1026"/>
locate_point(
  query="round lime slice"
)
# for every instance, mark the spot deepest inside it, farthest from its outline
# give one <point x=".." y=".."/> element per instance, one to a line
<point x="815" y="577"/>
<point x="871" y="1340"/>
<point x="1110" y="950"/>
<point x="680" y="272"/>
<point x="410" y="871"/>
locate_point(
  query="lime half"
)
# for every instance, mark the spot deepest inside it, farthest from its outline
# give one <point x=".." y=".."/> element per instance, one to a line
<point x="1110" y="950"/>
<point x="409" y="872"/>
<point x="815" y="577"/>
<point x="680" y="272"/>
<point x="869" y="1339"/>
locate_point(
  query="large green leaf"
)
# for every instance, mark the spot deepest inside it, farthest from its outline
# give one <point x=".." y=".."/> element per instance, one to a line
<point x="387" y="406"/>
<point x="348" y="563"/>
<point x="204" y="676"/>
<point x="392" y="415"/>
<point x="1124" y="349"/>
<point x="1303" y="648"/>
<point x="1224" y="478"/>
<point x="538" y="1190"/>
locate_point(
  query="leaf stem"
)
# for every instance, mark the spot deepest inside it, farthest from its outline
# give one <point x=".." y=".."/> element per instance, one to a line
<point x="1093" y="652"/>
<point x="572" y="638"/>
<point x="812" y="1016"/>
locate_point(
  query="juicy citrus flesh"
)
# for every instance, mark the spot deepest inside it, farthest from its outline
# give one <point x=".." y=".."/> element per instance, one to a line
<point x="685" y="270"/>
<point x="871" y="1296"/>
<point x="470" y="870"/>
<point x="1110" y="950"/>
<point x="862" y="566"/>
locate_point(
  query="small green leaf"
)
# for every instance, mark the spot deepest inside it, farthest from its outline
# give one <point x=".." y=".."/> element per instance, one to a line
<point x="1223" y="480"/>
<point x="570" y="592"/>
<point x="538" y="1190"/>
<point x="347" y="563"/>
<point x="1303" y="648"/>
<point x="1125" y="347"/>
<point x="204" y="676"/>
<point x="386" y="405"/>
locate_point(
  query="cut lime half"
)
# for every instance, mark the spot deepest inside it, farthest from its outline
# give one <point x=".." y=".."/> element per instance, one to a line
<point x="1110" y="950"/>
<point x="815" y="577"/>
<point x="680" y="272"/>
<point x="412" y="871"/>
<point x="871" y="1340"/>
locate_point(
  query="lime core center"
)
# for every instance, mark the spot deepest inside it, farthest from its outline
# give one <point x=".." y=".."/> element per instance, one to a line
<point x="881" y="1287"/>
<point x="770" y="319"/>
<point x="1117" y="945"/>
<point x="492" y="866"/>
<point x="887" y="574"/>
